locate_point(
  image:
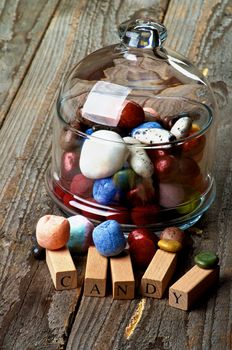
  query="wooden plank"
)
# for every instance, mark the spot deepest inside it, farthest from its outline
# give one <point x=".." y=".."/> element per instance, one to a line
<point x="22" y="26"/>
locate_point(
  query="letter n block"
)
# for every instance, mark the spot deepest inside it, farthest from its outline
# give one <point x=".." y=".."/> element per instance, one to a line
<point x="123" y="282"/>
<point x="158" y="274"/>
<point x="184" y="292"/>
<point x="95" y="274"/>
<point x="62" y="268"/>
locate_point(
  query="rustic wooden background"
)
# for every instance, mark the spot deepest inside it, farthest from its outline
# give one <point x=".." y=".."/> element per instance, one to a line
<point x="39" y="42"/>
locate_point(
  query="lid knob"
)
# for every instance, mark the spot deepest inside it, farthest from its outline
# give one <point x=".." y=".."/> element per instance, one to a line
<point x="142" y="33"/>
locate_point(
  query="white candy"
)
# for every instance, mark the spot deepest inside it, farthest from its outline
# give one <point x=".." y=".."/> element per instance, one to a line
<point x="138" y="159"/>
<point x="153" y="135"/>
<point x="181" y="127"/>
<point x="100" y="158"/>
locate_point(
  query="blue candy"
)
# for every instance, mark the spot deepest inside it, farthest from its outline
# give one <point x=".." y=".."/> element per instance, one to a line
<point x="108" y="238"/>
<point x="89" y="131"/>
<point x="104" y="190"/>
<point x="147" y="125"/>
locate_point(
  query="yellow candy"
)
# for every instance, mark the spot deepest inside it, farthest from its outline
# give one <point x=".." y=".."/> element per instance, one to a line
<point x="195" y="128"/>
<point x="169" y="245"/>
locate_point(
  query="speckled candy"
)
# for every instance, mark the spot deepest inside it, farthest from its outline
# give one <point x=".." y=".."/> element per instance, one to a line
<point x="173" y="233"/>
<point x="138" y="159"/>
<point x="171" y="246"/>
<point x="181" y="127"/>
<point x="80" y="234"/>
<point x="147" y="125"/>
<point x="206" y="260"/>
<point x="103" y="154"/>
<point x="154" y="136"/>
<point x="52" y="232"/>
<point x="108" y="238"/>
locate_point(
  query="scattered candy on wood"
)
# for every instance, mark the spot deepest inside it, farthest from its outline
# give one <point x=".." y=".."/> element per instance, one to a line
<point x="169" y="245"/>
<point x="142" y="247"/>
<point x="38" y="252"/>
<point x="173" y="233"/>
<point x="80" y="234"/>
<point x="206" y="260"/>
<point x="108" y="238"/>
<point x="52" y="232"/>
<point x="103" y="154"/>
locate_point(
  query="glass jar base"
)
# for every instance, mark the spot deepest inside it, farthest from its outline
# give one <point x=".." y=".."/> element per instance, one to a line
<point x="71" y="205"/>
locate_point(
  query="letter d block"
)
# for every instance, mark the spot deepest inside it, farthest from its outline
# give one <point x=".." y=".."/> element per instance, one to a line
<point x="95" y="274"/>
<point x="123" y="282"/>
<point x="158" y="274"/>
<point x="62" y="268"/>
<point x="184" y="292"/>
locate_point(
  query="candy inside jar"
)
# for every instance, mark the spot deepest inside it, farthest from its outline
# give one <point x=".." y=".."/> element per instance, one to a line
<point x="133" y="139"/>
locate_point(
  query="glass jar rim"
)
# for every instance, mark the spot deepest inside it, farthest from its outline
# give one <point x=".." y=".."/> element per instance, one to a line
<point x="175" y="142"/>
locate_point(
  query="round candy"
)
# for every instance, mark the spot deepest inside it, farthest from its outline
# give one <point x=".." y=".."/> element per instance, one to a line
<point x="181" y="127"/>
<point x="108" y="238"/>
<point x="125" y="179"/>
<point x="38" y="252"/>
<point x="170" y="245"/>
<point x="146" y="125"/>
<point x="171" y="195"/>
<point x="104" y="190"/>
<point x="132" y="114"/>
<point x="206" y="260"/>
<point x="173" y="233"/>
<point x="142" y="247"/>
<point x="69" y="167"/>
<point x="80" y="234"/>
<point x="52" y="232"/>
<point x="166" y="167"/>
<point x="81" y="185"/>
<point x="103" y="154"/>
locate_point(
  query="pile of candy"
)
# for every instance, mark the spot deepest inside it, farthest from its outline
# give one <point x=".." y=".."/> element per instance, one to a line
<point x="119" y="167"/>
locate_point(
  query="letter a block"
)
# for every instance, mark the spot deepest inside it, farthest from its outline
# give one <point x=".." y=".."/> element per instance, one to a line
<point x="123" y="282"/>
<point x="62" y="268"/>
<point x="184" y="292"/>
<point x="158" y="274"/>
<point x="95" y="274"/>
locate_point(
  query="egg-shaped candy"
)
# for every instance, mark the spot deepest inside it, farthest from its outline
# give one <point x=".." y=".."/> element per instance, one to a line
<point x="80" y="234"/>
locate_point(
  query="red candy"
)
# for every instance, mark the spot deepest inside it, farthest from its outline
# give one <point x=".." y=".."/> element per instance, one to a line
<point x="69" y="167"/>
<point x="142" y="247"/>
<point x="166" y="167"/>
<point x="81" y="185"/>
<point x="132" y="115"/>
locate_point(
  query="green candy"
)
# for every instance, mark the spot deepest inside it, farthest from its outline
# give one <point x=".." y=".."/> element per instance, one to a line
<point x="125" y="179"/>
<point x="206" y="260"/>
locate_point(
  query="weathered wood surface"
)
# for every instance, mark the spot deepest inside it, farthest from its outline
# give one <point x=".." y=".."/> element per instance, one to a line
<point x="32" y="314"/>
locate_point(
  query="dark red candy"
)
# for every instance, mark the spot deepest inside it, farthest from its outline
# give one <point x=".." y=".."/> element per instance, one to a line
<point x="121" y="215"/>
<point x="188" y="169"/>
<point x="166" y="167"/>
<point x="193" y="146"/>
<point x="132" y="115"/>
<point x="81" y="185"/>
<point x="145" y="215"/>
<point x="142" y="247"/>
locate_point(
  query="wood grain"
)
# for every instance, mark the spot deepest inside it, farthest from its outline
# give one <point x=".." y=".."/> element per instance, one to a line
<point x="22" y="27"/>
<point x="32" y="314"/>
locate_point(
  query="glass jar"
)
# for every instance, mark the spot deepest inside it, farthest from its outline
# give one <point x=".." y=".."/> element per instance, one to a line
<point x="133" y="137"/>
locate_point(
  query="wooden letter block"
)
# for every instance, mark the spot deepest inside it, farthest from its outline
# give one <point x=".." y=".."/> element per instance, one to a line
<point x="62" y="268"/>
<point x="158" y="274"/>
<point x="123" y="282"/>
<point x="95" y="274"/>
<point x="192" y="286"/>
